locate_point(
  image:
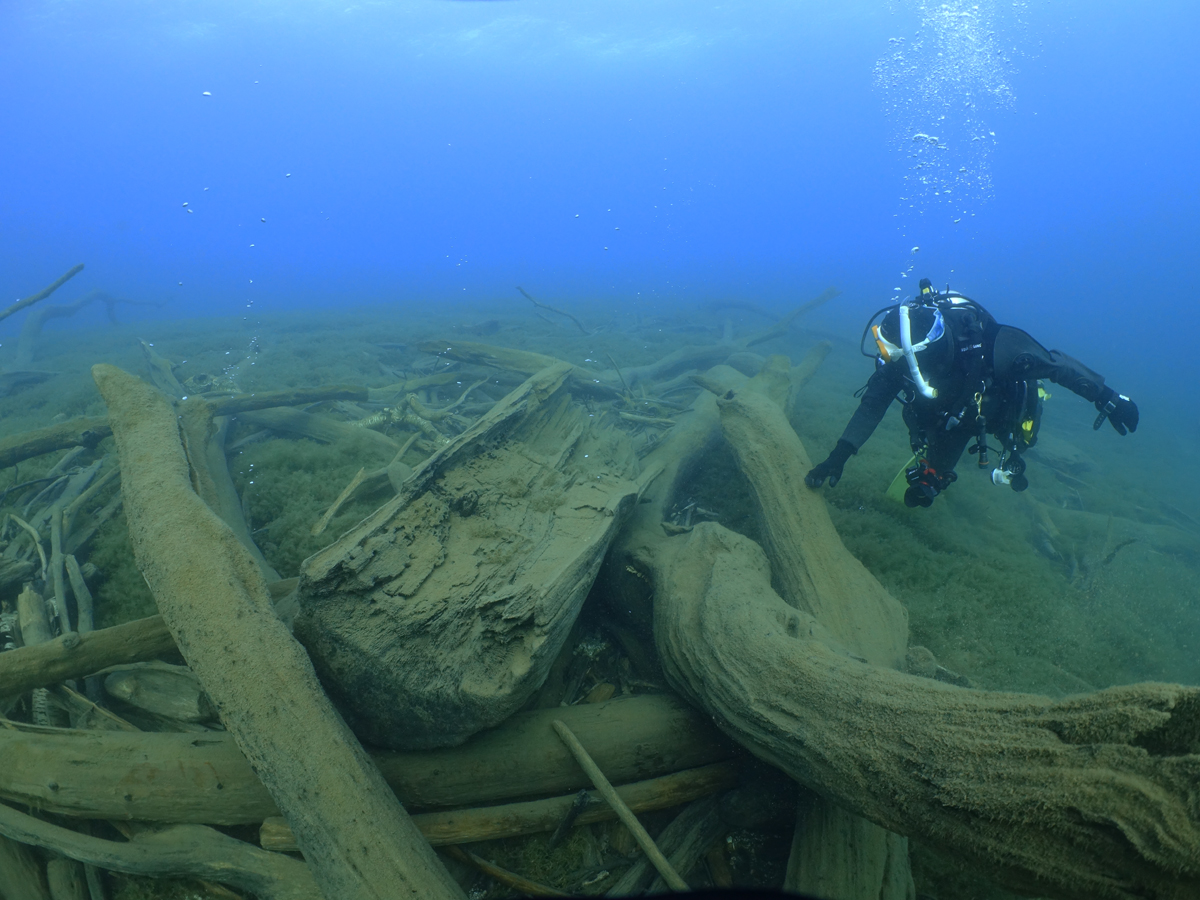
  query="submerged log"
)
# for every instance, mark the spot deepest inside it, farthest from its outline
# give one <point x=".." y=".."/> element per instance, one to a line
<point x="466" y="826"/>
<point x="1093" y="796"/>
<point x="354" y="833"/>
<point x="440" y="614"/>
<point x="85" y="431"/>
<point x="204" y="778"/>
<point x="191" y="851"/>
<point x="834" y="852"/>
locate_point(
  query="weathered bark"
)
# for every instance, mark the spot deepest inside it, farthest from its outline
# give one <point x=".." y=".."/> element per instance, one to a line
<point x="191" y="851"/>
<point x="85" y="431"/>
<point x="815" y="571"/>
<point x="210" y="593"/>
<point x="687" y="836"/>
<point x="835" y="853"/>
<point x="204" y="442"/>
<point x="205" y="778"/>
<point x="21" y="875"/>
<point x="842" y="856"/>
<point x="74" y="655"/>
<point x="1094" y="796"/>
<point x="440" y="613"/>
<point x="466" y="826"/>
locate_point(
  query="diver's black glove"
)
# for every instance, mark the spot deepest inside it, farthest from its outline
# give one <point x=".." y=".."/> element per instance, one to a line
<point x="832" y="467"/>
<point x="1118" y="409"/>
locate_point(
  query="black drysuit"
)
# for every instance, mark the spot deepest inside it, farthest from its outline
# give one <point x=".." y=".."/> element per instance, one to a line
<point x="977" y="354"/>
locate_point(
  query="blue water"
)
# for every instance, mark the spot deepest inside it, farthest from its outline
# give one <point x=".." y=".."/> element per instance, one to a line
<point x="663" y="154"/>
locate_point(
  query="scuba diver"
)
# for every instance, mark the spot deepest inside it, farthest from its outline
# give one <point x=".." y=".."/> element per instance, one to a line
<point x="961" y="375"/>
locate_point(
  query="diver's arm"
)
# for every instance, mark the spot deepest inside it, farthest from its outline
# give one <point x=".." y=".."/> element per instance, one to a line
<point x="882" y="388"/>
<point x="885" y="383"/>
<point x="1016" y="355"/>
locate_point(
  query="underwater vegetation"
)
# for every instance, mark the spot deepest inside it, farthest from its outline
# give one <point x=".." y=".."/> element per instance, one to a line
<point x="583" y="519"/>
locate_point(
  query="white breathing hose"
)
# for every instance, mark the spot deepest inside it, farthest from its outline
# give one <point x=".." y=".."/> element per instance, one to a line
<point x="906" y="345"/>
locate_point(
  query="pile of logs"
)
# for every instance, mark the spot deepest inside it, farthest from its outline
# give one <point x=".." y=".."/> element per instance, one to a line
<point x="445" y="630"/>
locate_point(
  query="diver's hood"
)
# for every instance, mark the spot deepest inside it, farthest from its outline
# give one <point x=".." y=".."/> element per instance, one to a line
<point x="927" y="327"/>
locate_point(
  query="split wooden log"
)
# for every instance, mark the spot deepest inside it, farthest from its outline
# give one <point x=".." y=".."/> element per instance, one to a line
<point x="355" y="835"/>
<point x="180" y="851"/>
<point x="467" y="826"/>
<point x="441" y="612"/>
<point x="205" y="779"/>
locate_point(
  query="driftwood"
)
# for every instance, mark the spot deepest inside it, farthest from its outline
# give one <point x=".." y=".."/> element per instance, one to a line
<point x="192" y="851"/>
<point x="583" y="379"/>
<point x="85" y="431"/>
<point x="21" y="872"/>
<point x="74" y="655"/>
<point x="233" y="404"/>
<point x="834" y="852"/>
<point x="42" y="294"/>
<point x="466" y="826"/>
<point x="206" y="779"/>
<point x="1094" y="796"/>
<point x="357" y="838"/>
<point x="517" y="882"/>
<point x="441" y="612"/>
<point x="319" y="428"/>
<point x="693" y="831"/>
<point x="605" y="788"/>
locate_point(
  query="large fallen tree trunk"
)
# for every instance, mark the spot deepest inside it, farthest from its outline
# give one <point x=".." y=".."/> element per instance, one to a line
<point x="356" y="836"/>
<point x="834" y="853"/>
<point x="441" y="612"/>
<point x="1093" y="796"/>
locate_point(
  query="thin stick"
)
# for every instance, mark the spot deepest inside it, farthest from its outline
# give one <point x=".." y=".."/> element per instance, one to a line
<point x="511" y="879"/>
<point x="619" y="375"/>
<point x="337" y="504"/>
<point x="40" y="295"/>
<point x="57" y="576"/>
<point x="553" y="310"/>
<point x="400" y="453"/>
<point x="669" y="875"/>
